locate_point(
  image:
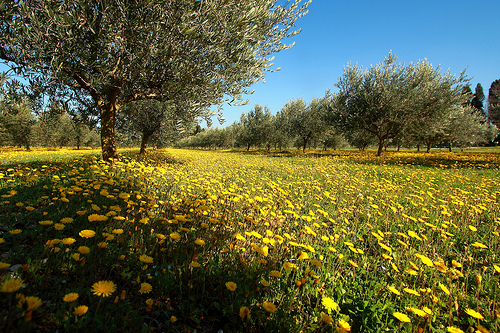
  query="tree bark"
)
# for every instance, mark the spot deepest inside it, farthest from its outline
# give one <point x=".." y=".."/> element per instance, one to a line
<point x="144" y="142"/>
<point x="108" y="118"/>
<point x="381" y="144"/>
<point x="428" y="147"/>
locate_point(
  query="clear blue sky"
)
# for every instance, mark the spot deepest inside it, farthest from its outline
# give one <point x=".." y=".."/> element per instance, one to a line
<point x="454" y="34"/>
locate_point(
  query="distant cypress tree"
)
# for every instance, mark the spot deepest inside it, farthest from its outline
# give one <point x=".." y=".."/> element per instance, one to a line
<point x="494" y="103"/>
<point x="478" y="100"/>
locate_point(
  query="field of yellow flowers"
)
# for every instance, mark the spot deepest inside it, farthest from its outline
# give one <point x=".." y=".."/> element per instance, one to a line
<point x="208" y="241"/>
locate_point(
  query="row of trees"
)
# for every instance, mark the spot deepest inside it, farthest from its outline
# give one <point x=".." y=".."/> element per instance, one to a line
<point x="389" y="103"/>
<point x="25" y="121"/>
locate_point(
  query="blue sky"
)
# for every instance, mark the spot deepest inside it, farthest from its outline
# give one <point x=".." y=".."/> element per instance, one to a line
<point x="454" y="34"/>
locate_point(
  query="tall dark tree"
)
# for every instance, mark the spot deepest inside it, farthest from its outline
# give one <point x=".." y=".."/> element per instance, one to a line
<point x="494" y="103"/>
<point x="477" y="101"/>
<point x="117" y="52"/>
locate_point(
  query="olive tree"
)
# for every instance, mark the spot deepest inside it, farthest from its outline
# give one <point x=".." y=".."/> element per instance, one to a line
<point x="117" y="52"/>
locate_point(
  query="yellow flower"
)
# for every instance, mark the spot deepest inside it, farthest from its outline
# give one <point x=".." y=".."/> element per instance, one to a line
<point x="149" y="302"/>
<point x="194" y="264"/>
<point x="175" y="236"/>
<point x="146" y="259"/>
<point x="244" y="312"/>
<point x="411" y="291"/>
<point x="173" y="319"/>
<point x="231" y="286"/>
<point x="66" y="220"/>
<point x="76" y="256"/>
<point x="145" y="288"/>
<point x="402" y="317"/>
<point x="264" y="283"/>
<point x="418" y="312"/>
<point x="269" y="307"/>
<point x="103" y="288"/>
<point x="15" y="231"/>
<point x="344" y="325"/>
<point x="452" y="329"/>
<point x="83" y="249"/>
<point x="87" y="233"/>
<point x="68" y="241"/>
<point x="474" y="314"/>
<point x="199" y="242"/>
<point x="81" y="310"/>
<point x="276" y="274"/>
<point x="97" y="217"/>
<point x="71" y="297"/>
<point x="29" y="303"/>
<point x="102" y="245"/>
<point x="117" y="231"/>
<point x="394" y="290"/>
<point x="329" y="304"/>
<point x="11" y="285"/>
<point x="288" y="265"/>
<point x="444" y="288"/>
<point x="326" y="318"/>
<point x="46" y="222"/>
<point x="4" y="265"/>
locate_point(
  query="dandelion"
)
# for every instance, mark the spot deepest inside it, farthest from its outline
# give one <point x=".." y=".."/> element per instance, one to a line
<point x="71" y="297"/>
<point x="15" y="231"/>
<point x="81" y="310"/>
<point x="276" y="274"/>
<point x="264" y="283"/>
<point x="29" y="303"/>
<point x="4" y="265"/>
<point x="66" y="220"/>
<point x="344" y="326"/>
<point x="418" y="312"/>
<point x="87" y="233"/>
<point x="145" y="288"/>
<point x="76" y="256"/>
<point x="68" y="241"/>
<point x="199" y="242"/>
<point x="146" y="259"/>
<point x="474" y="314"/>
<point x="175" y="236"/>
<point x="402" y="317"/>
<point x="231" y="286"/>
<point x="194" y="264"/>
<point x="117" y="231"/>
<point x="452" y="329"/>
<point x="326" y="318"/>
<point x="411" y="291"/>
<point x="11" y="285"/>
<point x="269" y="307"/>
<point x="394" y="290"/>
<point x="329" y="304"/>
<point x="103" y="288"/>
<point x="173" y="319"/>
<point x="83" y="250"/>
<point x="244" y="312"/>
<point x="444" y="288"/>
<point x="45" y="222"/>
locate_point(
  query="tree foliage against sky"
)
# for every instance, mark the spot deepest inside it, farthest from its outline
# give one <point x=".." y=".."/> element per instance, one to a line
<point x="119" y="52"/>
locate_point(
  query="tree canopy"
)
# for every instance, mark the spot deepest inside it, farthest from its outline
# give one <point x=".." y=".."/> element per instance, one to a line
<point x="204" y="52"/>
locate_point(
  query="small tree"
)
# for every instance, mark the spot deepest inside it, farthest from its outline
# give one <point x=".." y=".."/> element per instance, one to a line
<point x="18" y="121"/>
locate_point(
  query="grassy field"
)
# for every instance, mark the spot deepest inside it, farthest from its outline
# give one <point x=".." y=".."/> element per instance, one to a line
<point x="203" y="241"/>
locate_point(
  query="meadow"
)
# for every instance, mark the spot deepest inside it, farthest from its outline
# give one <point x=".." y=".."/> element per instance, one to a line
<point x="235" y="241"/>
